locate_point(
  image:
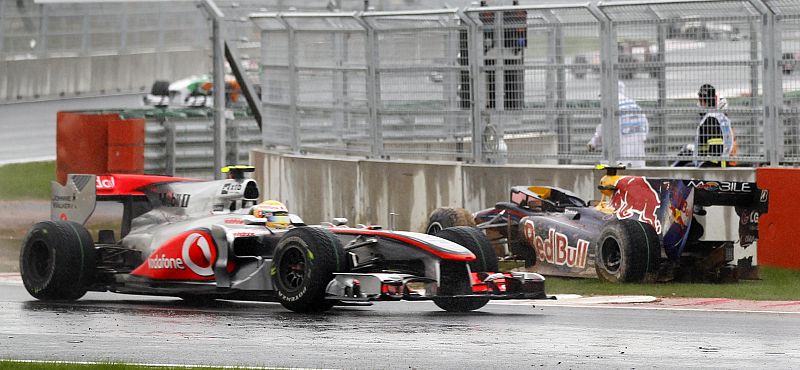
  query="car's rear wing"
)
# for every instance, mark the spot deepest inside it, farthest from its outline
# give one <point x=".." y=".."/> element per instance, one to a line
<point x="77" y="199"/>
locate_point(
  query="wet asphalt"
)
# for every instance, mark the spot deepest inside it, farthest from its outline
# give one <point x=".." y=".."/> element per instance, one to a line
<point x="396" y="335"/>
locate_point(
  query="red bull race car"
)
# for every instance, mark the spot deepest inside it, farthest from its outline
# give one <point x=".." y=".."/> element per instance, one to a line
<point x="206" y="240"/>
<point x="642" y="229"/>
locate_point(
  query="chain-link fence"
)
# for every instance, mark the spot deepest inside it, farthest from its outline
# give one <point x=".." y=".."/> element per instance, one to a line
<point x="618" y="81"/>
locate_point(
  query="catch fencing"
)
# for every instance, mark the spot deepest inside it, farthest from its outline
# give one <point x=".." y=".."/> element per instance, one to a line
<point x="533" y="84"/>
<point x="181" y="142"/>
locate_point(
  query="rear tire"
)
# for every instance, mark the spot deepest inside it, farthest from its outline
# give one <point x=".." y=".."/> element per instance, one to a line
<point x="627" y="250"/>
<point x="57" y="260"/>
<point x="445" y="217"/>
<point x="303" y="265"/>
<point x="454" y="278"/>
<point x="160" y="88"/>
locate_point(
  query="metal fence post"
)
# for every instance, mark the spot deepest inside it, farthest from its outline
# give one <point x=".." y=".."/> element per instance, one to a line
<point x="609" y="101"/>
<point x="218" y="42"/>
<point x="661" y="98"/>
<point x="170" y="146"/>
<point x="339" y="82"/>
<point x="373" y="89"/>
<point x="772" y="84"/>
<point x="478" y="81"/>
<point x="294" y="122"/>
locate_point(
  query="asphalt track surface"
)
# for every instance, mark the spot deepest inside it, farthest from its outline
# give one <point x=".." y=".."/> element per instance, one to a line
<point x="396" y="335"/>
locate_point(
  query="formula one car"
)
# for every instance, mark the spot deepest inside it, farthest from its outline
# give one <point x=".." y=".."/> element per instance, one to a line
<point x="205" y="240"/>
<point x="641" y="228"/>
<point x="194" y="92"/>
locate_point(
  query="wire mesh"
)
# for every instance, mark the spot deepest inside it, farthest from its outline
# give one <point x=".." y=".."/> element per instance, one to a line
<point x="665" y="53"/>
<point x="525" y="83"/>
<point x="788" y="69"/>
<point x="422" y="85"/>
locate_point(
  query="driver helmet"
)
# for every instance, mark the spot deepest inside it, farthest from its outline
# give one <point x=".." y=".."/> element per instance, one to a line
<point x="275" y="213"/>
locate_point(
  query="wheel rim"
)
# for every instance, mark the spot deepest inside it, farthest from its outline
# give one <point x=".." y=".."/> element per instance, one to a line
<point x="292" y="269"/>
<point x="434" y="228"/>
<point x="610" y="255"/>
<point x="40" y="260"/>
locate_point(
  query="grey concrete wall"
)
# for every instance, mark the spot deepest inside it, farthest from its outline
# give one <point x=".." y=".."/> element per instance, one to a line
<point x="410" y="189"/>
<point x="95" y="75"/>
<point x="365" y="191"/>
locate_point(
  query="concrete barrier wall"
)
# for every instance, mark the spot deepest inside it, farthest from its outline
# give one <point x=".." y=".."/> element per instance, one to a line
<point x="95" y="75"/>
<point x="366" y="191"/>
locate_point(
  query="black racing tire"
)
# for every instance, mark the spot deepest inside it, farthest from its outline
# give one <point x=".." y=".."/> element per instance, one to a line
<point x="453" y="276"/>
<point x="476" y="241"/>
<point x="444" y="217"/>
<point x="57" y="260"/>
<point x="303" y="265"/>
<point x="455" y="280"/>
<point x="626" y="251"/>
<point x="160" y="88"/>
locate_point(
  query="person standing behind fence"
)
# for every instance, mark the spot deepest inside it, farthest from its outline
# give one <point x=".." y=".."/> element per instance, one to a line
<point x="714" y="135"/>
<point x="633" y="129"/>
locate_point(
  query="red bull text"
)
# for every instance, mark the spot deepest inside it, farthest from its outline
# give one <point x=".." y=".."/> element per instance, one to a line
<point x="555" y="249"/>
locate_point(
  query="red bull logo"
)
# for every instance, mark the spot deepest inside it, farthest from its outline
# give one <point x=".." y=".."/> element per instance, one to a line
<point x="635" y="196"/>
<point x="555" y="249"/>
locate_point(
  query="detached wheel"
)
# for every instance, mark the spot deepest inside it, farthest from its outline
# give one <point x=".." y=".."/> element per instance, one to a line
<point x="626" y="251"/>
<point x="304" y="262"/>
<point x="454" y="277"/>
<point x="444" y="217"/>
<point x="57" y="260"/>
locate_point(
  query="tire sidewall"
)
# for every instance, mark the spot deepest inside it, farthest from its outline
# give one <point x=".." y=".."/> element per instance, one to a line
<point x="32" y="281"/>
<point x="612" y="231"/>
<point x="70" y="271"/>
<point x="639" y="248"/>
<point x="286" y="245"/>
<point x="323" y="254"/>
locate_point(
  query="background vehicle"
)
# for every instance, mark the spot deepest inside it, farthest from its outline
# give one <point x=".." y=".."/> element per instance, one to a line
<point x="640" y="229"/>
<point x="632" y="56"/>
<point x="193" y="91"/>
<point x="197" y="240"/>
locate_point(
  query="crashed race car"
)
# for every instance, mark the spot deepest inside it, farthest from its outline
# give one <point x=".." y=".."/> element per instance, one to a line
<point x="206" y="240"/>
<point x="642" y="229"/>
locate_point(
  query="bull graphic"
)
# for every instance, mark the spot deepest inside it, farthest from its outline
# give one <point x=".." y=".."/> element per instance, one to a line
<point x="634" y="195"/>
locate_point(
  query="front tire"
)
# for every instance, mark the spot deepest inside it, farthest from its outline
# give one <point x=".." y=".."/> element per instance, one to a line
<point x="626" y="251"/>
<point x="454" y="278"/>
<point x="445" y="217"/>
<point x="304" y="262"/>
<point x="477" y="242"/>
<point x="57" y="260"/>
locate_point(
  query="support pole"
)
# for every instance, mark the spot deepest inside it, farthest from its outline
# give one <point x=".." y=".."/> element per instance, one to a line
<point x="218" y="43"/>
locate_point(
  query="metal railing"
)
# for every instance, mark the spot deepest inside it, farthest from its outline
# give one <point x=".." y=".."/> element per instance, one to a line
<point x="531" y="84"/>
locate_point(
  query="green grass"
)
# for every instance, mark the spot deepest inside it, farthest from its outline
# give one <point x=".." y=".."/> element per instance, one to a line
<point x="25" y="181"/>
<point x="16" y="365"/>
<point x="775" y="284"/>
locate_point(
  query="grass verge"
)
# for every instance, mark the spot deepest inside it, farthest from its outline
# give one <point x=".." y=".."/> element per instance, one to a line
<point x="34" y="365"/>
<point x="23" y="181"/>
<point x="776" y="284"/>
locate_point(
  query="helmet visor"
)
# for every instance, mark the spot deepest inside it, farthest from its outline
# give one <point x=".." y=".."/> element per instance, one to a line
<point x="278" y="219"/>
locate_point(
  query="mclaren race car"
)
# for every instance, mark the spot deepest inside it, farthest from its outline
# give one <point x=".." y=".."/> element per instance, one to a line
<point x="206" y="240"/>
<point x="642" y="229"/>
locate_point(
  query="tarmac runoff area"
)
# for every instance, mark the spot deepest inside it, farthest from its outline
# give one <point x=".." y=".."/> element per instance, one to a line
<point x="643" y="302"/>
